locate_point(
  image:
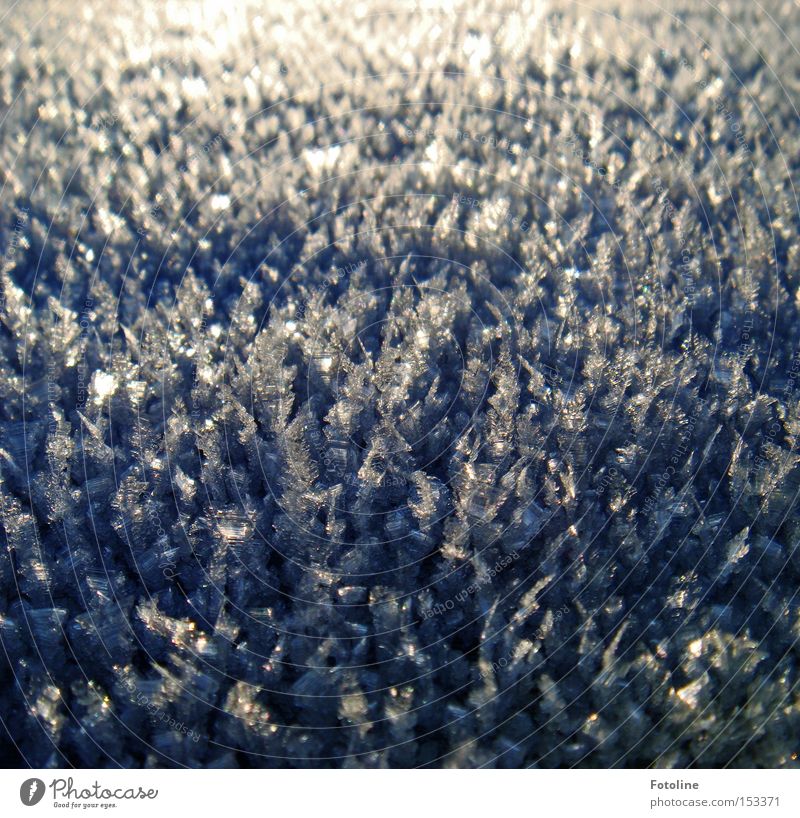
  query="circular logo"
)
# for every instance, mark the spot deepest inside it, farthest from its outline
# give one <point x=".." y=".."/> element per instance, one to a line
<point x="31" y="792"/>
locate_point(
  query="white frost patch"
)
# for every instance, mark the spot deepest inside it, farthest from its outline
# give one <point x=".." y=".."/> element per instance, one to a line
<point x="478" y="49"/>
<point x="194" y="87"/>
<point x="321" y="159"/>
<point x="103" y="386"/>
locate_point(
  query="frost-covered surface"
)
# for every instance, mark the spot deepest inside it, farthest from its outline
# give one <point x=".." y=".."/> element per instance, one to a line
<point x="390" y="388"/>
